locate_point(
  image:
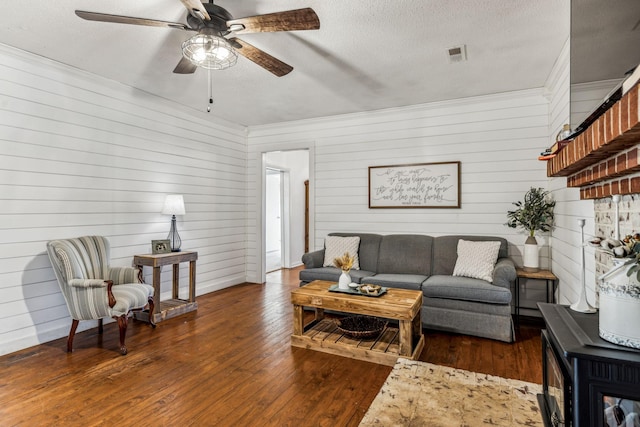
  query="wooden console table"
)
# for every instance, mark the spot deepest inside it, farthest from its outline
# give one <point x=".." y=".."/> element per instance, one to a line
<point x="175" y="306"/>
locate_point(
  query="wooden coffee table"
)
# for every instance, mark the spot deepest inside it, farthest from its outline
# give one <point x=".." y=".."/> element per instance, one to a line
<point x="322" y="334"/>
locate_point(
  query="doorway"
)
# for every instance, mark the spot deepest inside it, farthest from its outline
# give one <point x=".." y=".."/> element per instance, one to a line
<point x="274" y="219"/>
<point x="284" y="173"/>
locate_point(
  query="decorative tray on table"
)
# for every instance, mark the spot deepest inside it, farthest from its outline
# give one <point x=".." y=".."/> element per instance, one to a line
<point x="366" y="290"/>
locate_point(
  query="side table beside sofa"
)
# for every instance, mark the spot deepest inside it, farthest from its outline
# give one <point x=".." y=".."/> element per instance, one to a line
<point x="458" y="304"/>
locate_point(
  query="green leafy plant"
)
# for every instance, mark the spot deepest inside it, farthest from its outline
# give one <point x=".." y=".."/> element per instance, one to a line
<point x="533" y="214"/>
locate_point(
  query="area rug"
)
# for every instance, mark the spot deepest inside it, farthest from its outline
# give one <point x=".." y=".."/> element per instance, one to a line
<point x="421" y="394"/>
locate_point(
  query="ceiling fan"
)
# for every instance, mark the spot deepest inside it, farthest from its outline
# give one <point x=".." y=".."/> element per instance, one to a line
<point x="211" y="47"/>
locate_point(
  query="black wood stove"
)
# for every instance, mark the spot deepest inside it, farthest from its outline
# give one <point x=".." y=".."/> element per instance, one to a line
<point x="587" y="381"/>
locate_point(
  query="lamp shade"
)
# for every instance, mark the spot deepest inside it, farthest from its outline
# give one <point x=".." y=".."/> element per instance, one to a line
<point x="173" y="205"/>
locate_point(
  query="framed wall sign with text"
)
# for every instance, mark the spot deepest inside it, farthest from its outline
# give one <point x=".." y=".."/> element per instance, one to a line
<point x="423" y="185"/>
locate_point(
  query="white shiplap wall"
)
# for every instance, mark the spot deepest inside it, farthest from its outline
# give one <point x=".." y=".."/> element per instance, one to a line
<point x="497" y="138"/>
<point x="557" y="88"/>
<point x="83" y="155"/>
<point x="586" y="97"/>
<point x="565" y="241"/>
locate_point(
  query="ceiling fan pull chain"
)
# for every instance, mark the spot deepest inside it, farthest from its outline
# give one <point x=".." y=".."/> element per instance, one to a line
<point x="210" y="84"/>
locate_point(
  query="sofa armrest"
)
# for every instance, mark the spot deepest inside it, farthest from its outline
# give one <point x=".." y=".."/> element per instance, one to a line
<point x="504" y="273"/>
<point x="313" y="259"/>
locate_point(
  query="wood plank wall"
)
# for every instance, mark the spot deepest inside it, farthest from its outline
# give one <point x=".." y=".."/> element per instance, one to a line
<point x="497" y="138"/>
<point x="84" y="155"/>
<point x="58" y="127"/>
<point x="565" y="240"/>
<point x="585" y="97"/>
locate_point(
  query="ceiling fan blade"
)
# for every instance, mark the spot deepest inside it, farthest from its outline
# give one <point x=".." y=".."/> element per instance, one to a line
<point x="291" y="20"/>
<point x="261" y="58"/>
<point x="185" y="67"/>
<point x="196" y="9"/>
<point x="105" y="17"/>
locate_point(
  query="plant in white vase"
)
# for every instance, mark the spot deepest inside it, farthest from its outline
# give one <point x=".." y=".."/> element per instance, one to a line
<point x="533" y="214"/>
<point x="345" y="262"/>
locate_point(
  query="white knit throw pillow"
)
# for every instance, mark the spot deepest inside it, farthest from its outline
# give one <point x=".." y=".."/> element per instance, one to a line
<point x="336" y="246"/>
<point x="476" y="259"/>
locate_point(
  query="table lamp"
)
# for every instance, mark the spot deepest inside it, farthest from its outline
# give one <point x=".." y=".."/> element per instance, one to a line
<point x="174" y="205"/>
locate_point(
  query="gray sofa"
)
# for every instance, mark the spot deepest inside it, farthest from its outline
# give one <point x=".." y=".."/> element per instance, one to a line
<point x="410" y="261"/>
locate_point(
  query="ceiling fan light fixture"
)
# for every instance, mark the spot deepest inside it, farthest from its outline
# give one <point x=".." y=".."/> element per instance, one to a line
<point x="209" y="51"/>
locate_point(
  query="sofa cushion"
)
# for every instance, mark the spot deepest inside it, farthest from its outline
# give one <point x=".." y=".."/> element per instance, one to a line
<point x="405" y="254"/>
<point x="403" y="281"/>
<point x="331" y="274"/>
<point x="445" y="250"/>
<point x="466" y="289"/>
<point x="476" y="259"/>
<point x="335" y="247"/>
<point x="368" y="250"/>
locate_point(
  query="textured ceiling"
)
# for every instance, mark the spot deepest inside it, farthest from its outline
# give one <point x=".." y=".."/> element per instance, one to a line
<point x="367" y="55"/>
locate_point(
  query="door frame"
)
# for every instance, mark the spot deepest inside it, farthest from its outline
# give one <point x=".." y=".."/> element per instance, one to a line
<point x="260" y="249"/>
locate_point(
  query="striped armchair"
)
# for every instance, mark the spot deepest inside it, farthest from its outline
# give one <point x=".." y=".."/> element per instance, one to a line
<point x="93" y="289"/>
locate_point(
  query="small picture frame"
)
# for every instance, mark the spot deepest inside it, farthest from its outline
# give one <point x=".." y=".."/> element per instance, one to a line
<point x="160" y="246"/>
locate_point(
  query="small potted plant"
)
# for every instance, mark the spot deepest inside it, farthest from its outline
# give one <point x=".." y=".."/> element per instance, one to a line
<point x="344" y="263"/>
<point x="533" y="214"/>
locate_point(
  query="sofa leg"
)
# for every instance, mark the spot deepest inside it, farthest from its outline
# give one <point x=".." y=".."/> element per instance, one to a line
<point x="72" y="333"/>
<point x="122" y="325"/>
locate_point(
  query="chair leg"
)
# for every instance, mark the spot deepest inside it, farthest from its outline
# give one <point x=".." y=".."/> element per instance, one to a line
<point x="122" y="325"/>
<point x="151" y="307"/>
<point x="100" y="328"/>
<point x="72" y="333"/>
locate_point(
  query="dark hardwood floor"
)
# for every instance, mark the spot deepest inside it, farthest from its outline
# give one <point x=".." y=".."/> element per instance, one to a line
<point x="228" y="364"/>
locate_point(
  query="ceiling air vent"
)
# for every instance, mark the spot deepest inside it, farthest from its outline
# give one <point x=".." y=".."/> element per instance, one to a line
<point x="457" y="54"/>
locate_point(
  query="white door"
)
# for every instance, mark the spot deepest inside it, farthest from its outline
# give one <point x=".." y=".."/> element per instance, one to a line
<point x="273" y="220"/>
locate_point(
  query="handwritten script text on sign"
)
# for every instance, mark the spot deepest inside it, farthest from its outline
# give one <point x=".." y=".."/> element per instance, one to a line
<point x="418" y="185"/>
